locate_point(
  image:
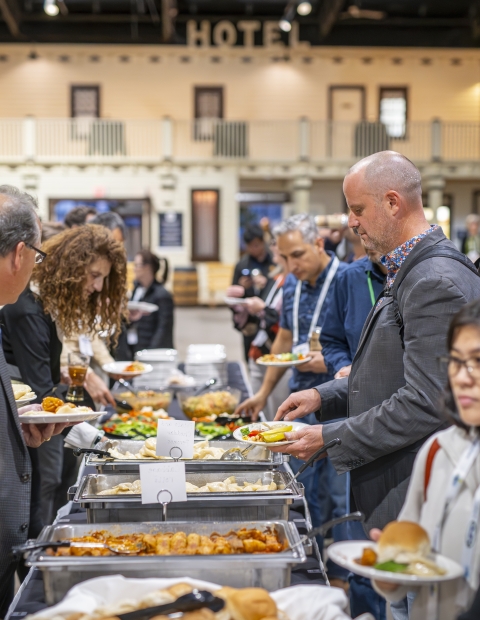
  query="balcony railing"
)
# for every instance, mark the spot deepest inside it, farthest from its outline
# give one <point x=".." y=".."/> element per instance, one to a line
<point x="99" y="141"/>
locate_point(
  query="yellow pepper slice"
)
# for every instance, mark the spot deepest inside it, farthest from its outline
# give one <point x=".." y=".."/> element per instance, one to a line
<point x="279" y="429"/>
<point x="272" y="438"/>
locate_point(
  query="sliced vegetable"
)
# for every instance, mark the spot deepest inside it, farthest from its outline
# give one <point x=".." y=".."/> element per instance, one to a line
<point x="279" y="429"/>
<point x="272" y="438"/>
<point x="392" y="567"/>
<point x="245" y="431"/>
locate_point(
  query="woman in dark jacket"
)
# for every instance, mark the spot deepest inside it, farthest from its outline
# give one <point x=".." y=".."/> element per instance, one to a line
<point x="148" y="331"/>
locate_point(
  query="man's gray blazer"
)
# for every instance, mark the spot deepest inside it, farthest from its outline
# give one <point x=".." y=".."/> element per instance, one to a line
<point x="15" y="478"/>
<point x="393" y="395"/>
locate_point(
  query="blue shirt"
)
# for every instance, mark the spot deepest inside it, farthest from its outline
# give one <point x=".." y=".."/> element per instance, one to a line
<point x="308" y="300"/>
<point x="349" y="306"/>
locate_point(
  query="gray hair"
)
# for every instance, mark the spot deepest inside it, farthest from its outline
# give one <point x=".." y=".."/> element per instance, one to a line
<point x="302" y="222"/>
<point x="18" y="219"/>
<point x="110" y="220"/>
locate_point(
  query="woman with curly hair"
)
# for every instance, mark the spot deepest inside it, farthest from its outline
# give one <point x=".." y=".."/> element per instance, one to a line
<point x="79" y="287"/>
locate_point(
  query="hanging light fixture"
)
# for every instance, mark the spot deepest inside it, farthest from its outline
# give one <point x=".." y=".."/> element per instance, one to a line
<point x="50" y="7"/>
<point x="285" y="25"/>
<point x="304" y="8"/>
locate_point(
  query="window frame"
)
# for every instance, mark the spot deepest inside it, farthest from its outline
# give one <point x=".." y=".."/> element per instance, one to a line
<point x="78" y="87"/>
<point x="215" y="256"/>
<point x="405" y="90"/>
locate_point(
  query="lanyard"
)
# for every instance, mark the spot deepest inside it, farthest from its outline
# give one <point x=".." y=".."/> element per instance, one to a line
<point x="318" y="308"/>
<point x="456" y="483"/>
<point x="370" y="287"/>
<point x="272" y="292"/>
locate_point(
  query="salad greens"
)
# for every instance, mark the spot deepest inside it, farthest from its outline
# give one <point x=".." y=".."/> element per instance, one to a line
<point x="392" y="567"/>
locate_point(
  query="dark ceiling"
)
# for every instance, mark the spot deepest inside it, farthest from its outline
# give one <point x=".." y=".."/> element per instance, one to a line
<point x="419" y="23"/>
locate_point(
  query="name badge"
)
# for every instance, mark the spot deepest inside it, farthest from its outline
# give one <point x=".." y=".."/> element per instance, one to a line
<point x="85" y="346"/>
<point x="301" y="349"/>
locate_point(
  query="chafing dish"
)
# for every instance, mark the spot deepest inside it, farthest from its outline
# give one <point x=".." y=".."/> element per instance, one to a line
<point x="270" y="571"/>
<point x="259" y="458"/>
<point x="199" y="507"/>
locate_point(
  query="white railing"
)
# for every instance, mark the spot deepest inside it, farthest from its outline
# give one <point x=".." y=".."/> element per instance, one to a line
<point x="102" y="141"/>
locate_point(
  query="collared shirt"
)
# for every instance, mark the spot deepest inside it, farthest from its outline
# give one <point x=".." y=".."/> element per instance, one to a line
<point x="308" y="299"/>
<point x="349" y="306"/>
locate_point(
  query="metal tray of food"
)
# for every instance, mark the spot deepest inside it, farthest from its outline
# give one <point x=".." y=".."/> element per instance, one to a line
<point x="265" y="570"/>
<point x="207" y="506"/>
<point x="259" y="458"/>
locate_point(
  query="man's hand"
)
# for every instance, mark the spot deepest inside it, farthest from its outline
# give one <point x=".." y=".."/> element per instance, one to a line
<point x="252" y="406"/>
<point x="307" y="441"/>
<point x="235" y="291"/>
<point x="98" y="390"/>
<point x="245" y="281"/>
<point x="259" y="281"/>
<point x="316" y="364"/>
<point x="343" y="372"/>
<point x="36" y="434"/>
<point x="254" y="305"/>
<point x="135" y="315"/>
<point x="298" y="405"/>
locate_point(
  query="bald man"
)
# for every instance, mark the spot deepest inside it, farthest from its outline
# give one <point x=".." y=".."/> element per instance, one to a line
<point x="392" y="394"/>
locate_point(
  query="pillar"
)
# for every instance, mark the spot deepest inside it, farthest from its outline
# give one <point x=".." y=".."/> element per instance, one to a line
<point x="301" y="194"/>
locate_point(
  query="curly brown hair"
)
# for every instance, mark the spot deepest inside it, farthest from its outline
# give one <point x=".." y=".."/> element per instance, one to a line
<point x="61" y="277"/>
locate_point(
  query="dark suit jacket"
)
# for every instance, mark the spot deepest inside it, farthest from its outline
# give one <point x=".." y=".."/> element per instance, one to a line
<point x="393" y="396"/>
<point x="15" y="479"/>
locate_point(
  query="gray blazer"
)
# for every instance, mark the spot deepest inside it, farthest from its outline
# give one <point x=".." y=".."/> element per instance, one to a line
<point x="392" y="396"/>
<point x="15" y="478"/>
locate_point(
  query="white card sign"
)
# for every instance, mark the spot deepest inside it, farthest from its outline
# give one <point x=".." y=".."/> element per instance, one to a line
<point x="167" y="477"/>
<point x="175" y="434"/>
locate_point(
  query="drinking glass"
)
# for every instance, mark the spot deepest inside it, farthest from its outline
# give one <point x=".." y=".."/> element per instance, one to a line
<point x="77" y="369"/>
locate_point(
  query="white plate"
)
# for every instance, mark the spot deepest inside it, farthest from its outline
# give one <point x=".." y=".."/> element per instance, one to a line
<point x="43" y="417"/>
<point x="346" y="552"/>
<point x="143" y="306"/>
<point x="117" y="368"/>
<point x="24" y="401"/>
<point x="233" y="301"/>
<point x="284" y="364"/>
<point x="263" y="426"/>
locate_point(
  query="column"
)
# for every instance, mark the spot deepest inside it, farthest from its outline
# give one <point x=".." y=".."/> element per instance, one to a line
<point x="301" y="194"/>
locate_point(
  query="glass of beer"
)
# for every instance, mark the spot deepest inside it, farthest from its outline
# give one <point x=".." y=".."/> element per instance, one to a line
<point x="77" y="369"/>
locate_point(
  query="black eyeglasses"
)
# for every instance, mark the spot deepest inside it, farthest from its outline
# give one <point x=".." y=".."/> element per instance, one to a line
<point x="39" y="256"/>
<point x="453" y="365"/>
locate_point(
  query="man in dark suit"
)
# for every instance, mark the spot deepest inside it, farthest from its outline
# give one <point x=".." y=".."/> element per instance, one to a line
<point x="19" y="233"/>
<point x="391" y="396"/>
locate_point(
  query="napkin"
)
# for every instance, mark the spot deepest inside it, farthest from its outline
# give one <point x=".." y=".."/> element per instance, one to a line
<point x="83" y="435"/>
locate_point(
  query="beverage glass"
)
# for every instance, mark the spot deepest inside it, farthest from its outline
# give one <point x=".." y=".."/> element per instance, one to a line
<point x="77" y="369"/>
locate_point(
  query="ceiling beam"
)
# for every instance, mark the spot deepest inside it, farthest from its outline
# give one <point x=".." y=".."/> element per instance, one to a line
<point x="10" y="14"/>
<point x="328" y="15"/>
<point x="169" y="12"/>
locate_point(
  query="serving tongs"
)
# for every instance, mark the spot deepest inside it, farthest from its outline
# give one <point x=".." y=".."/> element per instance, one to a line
<point x="119" y="549"/>
<point x="323" y="529"/>
<point x="198" y="599"/>
<point x="104" y="453"/>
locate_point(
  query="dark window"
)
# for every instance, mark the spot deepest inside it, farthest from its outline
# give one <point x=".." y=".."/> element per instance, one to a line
<point x="85" y="101"/>
<point x="208" y="109"/>
<point x="205" y="224"/>
<point x="393" y="110"/>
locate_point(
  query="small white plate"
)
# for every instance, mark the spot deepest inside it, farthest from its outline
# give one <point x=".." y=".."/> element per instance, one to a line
<point x="233" y="301"/>
<point x="346" y="552"/>
<point x="117" y="368"/>
<point x="44" y="417"/>
<point x="143" y="306"/>
<point x="264" y="426"/>
<point x="24" y="401"/>
<point x="284" y="364"/>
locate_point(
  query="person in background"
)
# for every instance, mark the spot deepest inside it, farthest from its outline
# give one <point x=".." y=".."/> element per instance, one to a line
<point x="50" y="229"/>
<point x="354" y="245"/>
<point x="471" y="243"/>
<point x="19" y="234"/>
<point x="78" y="216"/>
<point x="82" y="282"/>
<point x="113" y="222"/>
<point x="154" y="330"/>
<point x="444" y="490"/>
<point x="306" y="296"/>
<point x="252" y="270"/>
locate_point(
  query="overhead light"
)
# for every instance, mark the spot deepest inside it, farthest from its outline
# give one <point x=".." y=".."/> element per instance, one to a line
<point x="304" y="8"/>
<point x="50" y="7"/>
<point x="285" y="25"/>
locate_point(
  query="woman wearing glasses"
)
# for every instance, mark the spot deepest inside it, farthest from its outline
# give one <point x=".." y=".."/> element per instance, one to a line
<point x="444" y="492"/>
<point x="79" y="278"/>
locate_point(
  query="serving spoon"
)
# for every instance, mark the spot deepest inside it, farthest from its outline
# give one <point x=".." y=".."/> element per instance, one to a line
<point x="117" y="548"/>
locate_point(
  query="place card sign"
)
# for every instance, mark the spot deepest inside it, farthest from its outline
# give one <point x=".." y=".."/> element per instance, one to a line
<point x="175" y="438"/>
<point x="163" y="483"/>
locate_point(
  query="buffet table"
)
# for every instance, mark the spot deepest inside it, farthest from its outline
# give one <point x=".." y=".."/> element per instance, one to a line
<point x="30" y="597"/>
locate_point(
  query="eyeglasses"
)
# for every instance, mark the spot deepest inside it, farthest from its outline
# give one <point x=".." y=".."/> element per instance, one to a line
<point x="454" y="364"/>
<point x="39" y="256"/>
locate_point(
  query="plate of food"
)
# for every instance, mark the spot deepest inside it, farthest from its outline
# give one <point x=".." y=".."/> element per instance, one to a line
<point x="55" y="411"/>
<point x="283" y="359"/>
<point x="127" y="369"/>
<point x="402" y="555"/>
<point x="268" y="434"/>
<point x="142" y="306"/>
<point x="135" y="424"/>
<point x="23" y="394"/>
<point x="233" y="301"/>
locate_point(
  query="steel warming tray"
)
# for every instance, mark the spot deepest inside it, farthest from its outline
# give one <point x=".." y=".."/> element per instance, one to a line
<point x="270" y="571"/>
<point x="259" y="458"/>
<point x="231" y="506"/>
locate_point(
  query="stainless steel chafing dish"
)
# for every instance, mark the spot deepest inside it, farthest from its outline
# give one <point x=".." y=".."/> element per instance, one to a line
<point x="270" y="571"/>
<point x="259" y="458"/>
<point x="199" y="507"/>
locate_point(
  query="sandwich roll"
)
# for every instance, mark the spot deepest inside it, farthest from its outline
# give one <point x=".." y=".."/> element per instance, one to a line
<point x="251" y="604"/>
<point x="403" y="542"/>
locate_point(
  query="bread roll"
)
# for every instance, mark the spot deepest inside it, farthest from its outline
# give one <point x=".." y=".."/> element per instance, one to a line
<point x="401" y="539"/>
<point x="251" y="604"/>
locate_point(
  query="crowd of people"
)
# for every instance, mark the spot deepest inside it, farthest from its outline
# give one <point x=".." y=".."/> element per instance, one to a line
<point x="393" y="336"/>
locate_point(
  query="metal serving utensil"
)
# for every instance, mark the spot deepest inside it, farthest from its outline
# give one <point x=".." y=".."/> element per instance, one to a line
<point x="19" y="550"/>
<point x="323" y="529"/>
<point x="238" y="454"/>
<point x="128" y="385"/>
<point x="198" y="599"/>
<point x="204" y="387"/>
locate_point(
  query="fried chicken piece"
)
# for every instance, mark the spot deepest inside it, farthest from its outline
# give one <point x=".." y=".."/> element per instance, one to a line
<point x="206" y="547"/>
<point x="254" y="546"/>
<point x="150" y="543"/>
<point x="193" y="543"/>
<point x="178" y="543"/>
<point x="221" y="546"/>
<point x="255" y="534"/>
<point x="235" y="543"/>
<point x="51" y="404"/>
<point x="272" y="544"/>
<point x="163" y="544"/>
